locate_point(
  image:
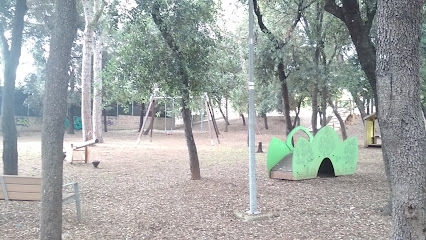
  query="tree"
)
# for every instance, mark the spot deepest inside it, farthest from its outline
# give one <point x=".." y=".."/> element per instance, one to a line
<point x="178" y="45"/>
<point x="279" y="44"/>
<point x="167" y="48"/>
<point x="54" y="114"/>
<point x="359" y="28"/>
<point x="11" y="54"/>
<point x="97" y="91"/>
<point x="91" y="15"/>
<point x="401" y="122"/>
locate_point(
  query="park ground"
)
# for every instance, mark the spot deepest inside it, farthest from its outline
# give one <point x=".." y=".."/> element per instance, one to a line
<point x="144" y="191"/>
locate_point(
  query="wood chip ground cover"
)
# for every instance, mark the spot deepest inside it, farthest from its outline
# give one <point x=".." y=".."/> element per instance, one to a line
<point x="144" y="191"/>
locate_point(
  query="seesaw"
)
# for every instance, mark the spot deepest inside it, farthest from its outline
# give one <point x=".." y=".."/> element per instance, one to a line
<point x="76" y="147"/>
<point x="323" y="154"/>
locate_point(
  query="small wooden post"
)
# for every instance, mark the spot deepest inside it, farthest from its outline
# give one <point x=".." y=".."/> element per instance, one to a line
<point x="86" y="154"/>
<point x="259" y="148"/>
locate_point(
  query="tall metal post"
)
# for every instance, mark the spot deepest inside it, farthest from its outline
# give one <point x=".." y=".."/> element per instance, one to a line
<point x="252" y="161"/>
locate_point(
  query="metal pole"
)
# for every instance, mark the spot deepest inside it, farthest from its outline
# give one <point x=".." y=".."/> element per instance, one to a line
<point x="252" y="161"/>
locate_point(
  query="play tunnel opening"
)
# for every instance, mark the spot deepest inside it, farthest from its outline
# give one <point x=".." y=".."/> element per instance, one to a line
<point x="326" y="169"/>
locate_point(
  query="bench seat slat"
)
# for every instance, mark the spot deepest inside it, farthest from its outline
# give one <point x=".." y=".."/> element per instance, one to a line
<point x="13" y="179"/>
<point x="13" y="187"/>
<point x="22" y="196"/>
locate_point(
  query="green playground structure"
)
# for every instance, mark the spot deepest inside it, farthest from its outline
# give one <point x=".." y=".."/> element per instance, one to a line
<point x="323" y="154"/>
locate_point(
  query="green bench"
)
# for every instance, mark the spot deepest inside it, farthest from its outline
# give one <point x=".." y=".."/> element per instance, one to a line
<point x="21" y="188"/>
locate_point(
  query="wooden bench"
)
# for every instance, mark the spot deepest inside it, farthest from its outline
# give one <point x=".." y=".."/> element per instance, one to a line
<point x="84" y="147"/>
<point x="13" y="187"/>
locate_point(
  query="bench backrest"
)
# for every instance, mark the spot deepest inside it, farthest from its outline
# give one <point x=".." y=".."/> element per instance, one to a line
<point x="14" y="187"/>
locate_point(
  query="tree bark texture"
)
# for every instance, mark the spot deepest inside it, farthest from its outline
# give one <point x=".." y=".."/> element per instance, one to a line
<point x="97" y="89"/>
<point x="225" y="118"/>
<point x="11" y="55"/>
<point x="243" y="118"/>
<point x="190" y="142"/>
<point x="360" y="105"/>
<point x="54" y="114"/>
<point x="227" y="114"/>
<point x="285" y="98"/>
<point x="368" y="106"/>
<point x="401" y="122"/>
<point x="70" y="128"/>
<point x="91" y="17"/>
<point x="296" y="121"/>
<point x="424" y="110"/>
<point x="324" y="98"/>
<point x="86" y="73"/>
<point x="342" y="123"/>
<point x="265" y="121"/>
<point x="141" y="116"/>
<point x="105" y="120"/>
<point x="314" y="118"/>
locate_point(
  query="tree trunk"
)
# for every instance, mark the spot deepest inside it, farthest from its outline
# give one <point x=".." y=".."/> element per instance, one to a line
<point x="86" y="74"/>
<point x="105" y="120"/>
<point x="243" y="118"/>
<point x="324" y="95"/>
<point x="70" y="128"/>
<point x="265" y="120"/>
<point x="401" y="123"/>
<point x="91" y="19"/>
<point x="342" y="123"/>
<point x="360" y="106"/>
<point x="54" y="114"/>
<point x="368" y="106"/>
<point x="314" y="118"/>
<point x="186" y="112"/>
<point x="152" y="109"/>
<point x="227" y="114"/>
<point x="285" y="98"/>
<point x="190" y="142"/>
<point x="223" y="115"/>
<point x="141" y="116"/>
<point x="296" y="121"/>
<point x="97" y="91"/>
<point x="11" y="61"/>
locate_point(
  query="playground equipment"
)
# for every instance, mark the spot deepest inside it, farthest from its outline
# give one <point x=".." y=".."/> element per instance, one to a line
<point x="323" y="154"/>
<point x="83" y="147"/>
<point x="371" y="125"/>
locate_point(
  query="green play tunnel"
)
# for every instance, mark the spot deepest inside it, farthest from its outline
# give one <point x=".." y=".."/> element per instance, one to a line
<point x="303" y="161"/>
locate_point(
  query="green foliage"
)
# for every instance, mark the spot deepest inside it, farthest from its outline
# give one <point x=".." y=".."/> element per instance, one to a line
<point x="142" y="60"/>
<point x="6" y="13"/>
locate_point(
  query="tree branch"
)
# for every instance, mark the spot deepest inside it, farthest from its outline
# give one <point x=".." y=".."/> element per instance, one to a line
<point x="371" y="12"/>
<point x="98" y="13"/>
<point x="331" y="7"/>
<point x="5" y="44"/>
<point x="155" y="13"/>
<point x="18" y="27"/>
<point x="278" y="42"/>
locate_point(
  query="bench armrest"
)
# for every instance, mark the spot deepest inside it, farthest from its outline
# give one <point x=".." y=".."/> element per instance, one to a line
<point x="68" y="184"/>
